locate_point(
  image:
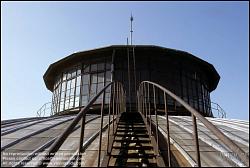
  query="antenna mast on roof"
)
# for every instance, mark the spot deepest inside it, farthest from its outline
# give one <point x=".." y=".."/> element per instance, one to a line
<point x="131" y="28"/>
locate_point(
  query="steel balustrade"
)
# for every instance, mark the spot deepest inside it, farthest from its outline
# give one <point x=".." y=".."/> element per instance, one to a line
<point x="44" y="110"/>
<point x="144" y="102"/>
<point x="116" y="104"/>
<point x="220" y="111"/>
<point x="147" y="107"/>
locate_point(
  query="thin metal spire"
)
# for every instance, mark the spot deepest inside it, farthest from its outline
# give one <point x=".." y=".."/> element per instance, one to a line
<point x="131" y="28"/>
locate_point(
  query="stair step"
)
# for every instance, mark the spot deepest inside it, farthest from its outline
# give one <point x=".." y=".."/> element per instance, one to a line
<point x="134" y="147"/>
<point x="132" y="151"/>
<point x="130" y="145"/>
<point x="131" y="130"/>
<point x="133" y="162"/>
<point x="134" y="127"/>
<point x="132" y="135"/>
<point x="125" y="123"/>
<point x="136" y="164"/>
<point x="144" y="131"/>
<point x="134" y="155"/>
<point x="131" y="138"/>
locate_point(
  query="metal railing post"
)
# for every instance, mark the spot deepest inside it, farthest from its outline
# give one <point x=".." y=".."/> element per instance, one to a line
<point x="196" y="141"/>
<point x="113" y="107"/>
<point x="145" y="99"/>
<point x="109" y="104"/>
<point x="116" y="103"/>
<point x="119" y="98"/>
<point x="100" y="140"/>
<point x="149" y="108"/>
<point x="147" y="102"/>
<point x="156" y="120"/>
<point x="168" y="133"/>
<point x="81" y="141"/>
<point x="150" y="119"/>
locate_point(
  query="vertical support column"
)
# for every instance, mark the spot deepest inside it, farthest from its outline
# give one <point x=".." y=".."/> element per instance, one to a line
<point x="119" y="98"/>
<point x="135" y="82"/>
<point x="81" y="140"/>
<point x="196" y="141"/>
<point x="101" y="125"/>
<point x="129" y="89"/>
<point x="113" y="107"/>
<point x="109" y="120"/>
<point x="142" y="99"/>
<point x="139" y="98"/>
<point x="147" y="111"/>
<point x="149" y="103"/>
<point x="156" y="120"/>
<point x="168" y="133"/>
<point x="146" y="100"/>
<point x="116" y="103"/>
<point x="150" y="118"/>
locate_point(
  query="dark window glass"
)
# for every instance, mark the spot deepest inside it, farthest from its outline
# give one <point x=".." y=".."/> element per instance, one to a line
<point x="94" y="78"/>
<point x="108" y="76"/>
<point x="93" y="67"/>
<point x="101" y="66"/>
<point x="108" y="66"/>
<point x="86" y="68"/>
<point x="85" y="89"/>
<point x="99" y="87"/>
<point x="100" y="77"/>
<point x="93" y="88"/>
<point x="84" y="100"/>
<point x="85" y="79"/>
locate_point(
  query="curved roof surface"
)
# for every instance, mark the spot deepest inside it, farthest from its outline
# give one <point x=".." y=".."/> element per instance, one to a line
<point x="58" y="66"/>
<point x="30" y="134"/>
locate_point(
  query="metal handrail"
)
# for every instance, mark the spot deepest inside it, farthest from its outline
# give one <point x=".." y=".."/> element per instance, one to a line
<point x="144" y="103"/>
<point x="117" y="103"/>
<point x="42" y="110"/>
<point x="220" y="111"/>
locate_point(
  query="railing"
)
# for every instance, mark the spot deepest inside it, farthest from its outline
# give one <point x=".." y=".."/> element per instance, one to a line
<point x="44" y="110"/>
<point x="115" y="105"/>
<point x="147" y="106"/>
<point x="216" y="108"/>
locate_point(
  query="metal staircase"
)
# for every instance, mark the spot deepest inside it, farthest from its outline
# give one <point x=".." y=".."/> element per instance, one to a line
<point x="135" y="139"/>
<point x="132" y="145"/>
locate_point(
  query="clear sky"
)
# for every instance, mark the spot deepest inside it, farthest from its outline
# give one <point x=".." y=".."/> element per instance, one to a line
<point x="36" y="34"/>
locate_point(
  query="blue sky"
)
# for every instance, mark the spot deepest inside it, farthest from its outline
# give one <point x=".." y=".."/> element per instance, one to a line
<point x="36" y="34"/>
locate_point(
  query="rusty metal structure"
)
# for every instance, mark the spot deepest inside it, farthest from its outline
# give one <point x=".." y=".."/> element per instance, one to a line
<point x="123" y="106"/>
